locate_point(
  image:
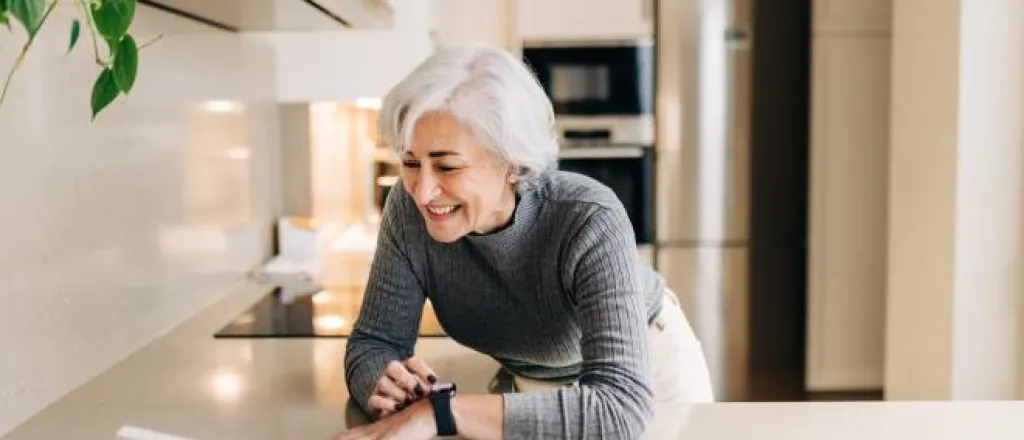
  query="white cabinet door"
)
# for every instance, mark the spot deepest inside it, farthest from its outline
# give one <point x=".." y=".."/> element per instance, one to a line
<point x="849" y="175"/>
<point x="542" y="20"/>
<point x="462" y="22"/>
<point x="853" y="16"/>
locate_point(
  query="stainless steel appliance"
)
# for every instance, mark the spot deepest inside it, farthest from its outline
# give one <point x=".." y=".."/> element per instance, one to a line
<point x="702" y="176"/>
<point x="602" y="93"/>
<point x="731" y="146"/>
<point x="629" y="172"/>
<point x="595" y="78"/>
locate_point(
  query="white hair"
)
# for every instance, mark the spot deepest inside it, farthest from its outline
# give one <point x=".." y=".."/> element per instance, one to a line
<point x="488" y="90"/>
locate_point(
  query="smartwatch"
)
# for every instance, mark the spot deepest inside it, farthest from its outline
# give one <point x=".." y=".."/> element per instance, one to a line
<point x="441" y="395"/>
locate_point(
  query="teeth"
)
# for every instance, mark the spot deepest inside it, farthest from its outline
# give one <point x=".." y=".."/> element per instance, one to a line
<point x="441" y="210"/>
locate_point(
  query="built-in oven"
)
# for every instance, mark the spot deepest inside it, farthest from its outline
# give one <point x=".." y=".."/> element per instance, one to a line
<point x="602" y="93"/>
<point x="598" y="78"/>
<point x="627" y="171"/>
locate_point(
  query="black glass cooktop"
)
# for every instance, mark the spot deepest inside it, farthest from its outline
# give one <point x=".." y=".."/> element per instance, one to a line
<point x="325" y="314"/>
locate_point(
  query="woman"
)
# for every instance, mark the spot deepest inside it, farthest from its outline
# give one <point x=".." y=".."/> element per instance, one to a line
<point x="534" y="267"/>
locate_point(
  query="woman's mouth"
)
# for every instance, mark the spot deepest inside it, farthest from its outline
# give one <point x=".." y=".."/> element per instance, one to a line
<point x="440" y="212"/>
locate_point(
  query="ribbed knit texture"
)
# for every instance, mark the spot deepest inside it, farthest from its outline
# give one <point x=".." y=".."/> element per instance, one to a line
<point x="556" y="295"/>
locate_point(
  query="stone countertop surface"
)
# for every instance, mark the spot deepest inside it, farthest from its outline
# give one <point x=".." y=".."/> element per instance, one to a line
<point x="194" y="386"/>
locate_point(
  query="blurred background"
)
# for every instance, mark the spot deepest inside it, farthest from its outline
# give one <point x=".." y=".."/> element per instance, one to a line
<point x="831" y="187"/>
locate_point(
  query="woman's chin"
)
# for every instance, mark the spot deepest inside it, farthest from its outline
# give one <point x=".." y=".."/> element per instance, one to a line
<point x="445" y="235"/>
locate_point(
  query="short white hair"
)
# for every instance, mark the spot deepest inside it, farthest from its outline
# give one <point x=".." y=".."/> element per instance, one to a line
<point x="488" y="90"/>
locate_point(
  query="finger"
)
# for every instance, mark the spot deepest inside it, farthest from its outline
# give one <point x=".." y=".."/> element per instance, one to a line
<point x="379" y="415"/>
<point x="422" y="370"/>
<point x="382" y="405"/>
<point x="399" y="404"/>
<point x="387" y="388"/>
<point x="420" y="378"/>
<point x="403" y="378"/>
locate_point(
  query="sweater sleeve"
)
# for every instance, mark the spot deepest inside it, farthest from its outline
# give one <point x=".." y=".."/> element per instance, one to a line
<point x="389" y="317"/>
<point x="614" y="399"/>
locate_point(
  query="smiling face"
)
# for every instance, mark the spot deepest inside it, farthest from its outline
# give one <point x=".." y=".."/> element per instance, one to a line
<point x="459" y="185"/>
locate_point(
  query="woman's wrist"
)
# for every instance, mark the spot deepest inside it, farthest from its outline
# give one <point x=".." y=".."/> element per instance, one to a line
<point x="423" y="416"/>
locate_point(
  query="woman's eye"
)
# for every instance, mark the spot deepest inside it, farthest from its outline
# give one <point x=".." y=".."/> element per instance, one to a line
<point x="448" y="169"/>
<point x="410" y="164"/>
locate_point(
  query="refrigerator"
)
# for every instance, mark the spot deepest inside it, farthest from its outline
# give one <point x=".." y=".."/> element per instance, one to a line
<point x="730" y="184"/>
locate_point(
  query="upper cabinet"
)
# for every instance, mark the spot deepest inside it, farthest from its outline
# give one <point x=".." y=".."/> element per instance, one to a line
<point x="848" y="213"/>
<point x="547" y="20"/>
<point x="853" y="16"/>
<point x="462" y="22"/>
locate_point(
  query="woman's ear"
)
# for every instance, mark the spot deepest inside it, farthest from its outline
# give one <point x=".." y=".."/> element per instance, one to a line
<point x="513" y="174"/>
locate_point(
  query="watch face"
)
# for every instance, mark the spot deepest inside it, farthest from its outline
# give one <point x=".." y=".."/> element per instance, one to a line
<point x="443" y="389"/>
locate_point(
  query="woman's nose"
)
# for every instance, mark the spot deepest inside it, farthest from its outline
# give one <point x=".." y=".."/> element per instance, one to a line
<point x="426" y="187"/>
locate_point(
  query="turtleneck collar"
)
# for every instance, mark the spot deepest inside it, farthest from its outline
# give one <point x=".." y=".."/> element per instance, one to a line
<point x="528" y="202"/>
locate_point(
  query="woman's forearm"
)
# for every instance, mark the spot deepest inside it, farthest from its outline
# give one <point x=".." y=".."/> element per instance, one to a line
<point x="479" y="416"/>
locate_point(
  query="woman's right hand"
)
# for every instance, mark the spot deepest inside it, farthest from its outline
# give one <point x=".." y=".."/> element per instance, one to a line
<point x="401" y="384"/>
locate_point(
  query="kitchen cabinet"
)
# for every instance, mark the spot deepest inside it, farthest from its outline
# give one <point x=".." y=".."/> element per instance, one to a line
<point x="852" y="16"/>
<point x="544" y="20"/>
<point x="849" y="186"/>
<point x="462" y="22"/>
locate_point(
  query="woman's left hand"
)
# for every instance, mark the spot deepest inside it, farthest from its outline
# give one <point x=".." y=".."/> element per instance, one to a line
<point x="413" y="423"/>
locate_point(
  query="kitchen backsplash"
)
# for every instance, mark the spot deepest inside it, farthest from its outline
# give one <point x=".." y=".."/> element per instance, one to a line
<point x="113" y="232"/>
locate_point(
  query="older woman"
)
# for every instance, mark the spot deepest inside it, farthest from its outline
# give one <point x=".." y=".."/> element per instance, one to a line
<point x="532" y="266"/>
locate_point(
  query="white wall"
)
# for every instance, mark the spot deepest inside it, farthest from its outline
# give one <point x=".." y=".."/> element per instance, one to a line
<point x="114" y="232"/>
<point x="989" y="221"/>
<point x="955" y="236"/>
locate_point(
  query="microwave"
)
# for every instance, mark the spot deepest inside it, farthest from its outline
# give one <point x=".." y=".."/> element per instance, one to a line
<point x="595" y="78"/>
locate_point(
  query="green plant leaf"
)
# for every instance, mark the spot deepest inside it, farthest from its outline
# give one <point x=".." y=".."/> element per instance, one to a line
<point x="114" y="17"/>
<point x="112" y="44"/>
<point x="28" y="12"/>
<point x="103" y="92"/>
<point x="3" y="14"/>
<point x="126" y="64"/>
<point x="76" y="29"/>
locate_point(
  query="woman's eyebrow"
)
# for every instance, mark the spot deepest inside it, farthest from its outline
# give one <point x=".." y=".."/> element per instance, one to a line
<point x="436" y="154"/>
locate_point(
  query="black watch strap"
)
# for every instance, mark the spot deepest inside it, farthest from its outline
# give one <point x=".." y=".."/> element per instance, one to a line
<point x="441" y="400"/>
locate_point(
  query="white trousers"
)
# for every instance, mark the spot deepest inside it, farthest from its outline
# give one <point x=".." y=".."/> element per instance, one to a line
<point x="680" y="368"/>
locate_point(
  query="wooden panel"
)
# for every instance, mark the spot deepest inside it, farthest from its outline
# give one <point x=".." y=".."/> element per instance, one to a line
<point x="857" y="16"/>
<point x="849" y="149"/>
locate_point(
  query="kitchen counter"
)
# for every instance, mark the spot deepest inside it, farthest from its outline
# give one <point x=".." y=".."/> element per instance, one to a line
<point x="192" y="385"/>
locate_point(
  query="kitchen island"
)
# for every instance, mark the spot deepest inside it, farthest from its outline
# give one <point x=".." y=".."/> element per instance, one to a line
<point x="194" y="386"/>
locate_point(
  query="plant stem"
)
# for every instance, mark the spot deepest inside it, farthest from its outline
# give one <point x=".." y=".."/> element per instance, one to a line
<point x="24" y="51"/>
<point x="92" y="33"/>
<point x="10" y="74"/>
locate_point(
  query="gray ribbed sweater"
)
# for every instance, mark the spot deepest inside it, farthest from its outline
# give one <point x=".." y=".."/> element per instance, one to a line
<point x="558" y="294"/>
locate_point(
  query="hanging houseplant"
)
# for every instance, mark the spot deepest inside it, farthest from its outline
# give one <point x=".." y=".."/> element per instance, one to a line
<point x="102" y="20"/>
